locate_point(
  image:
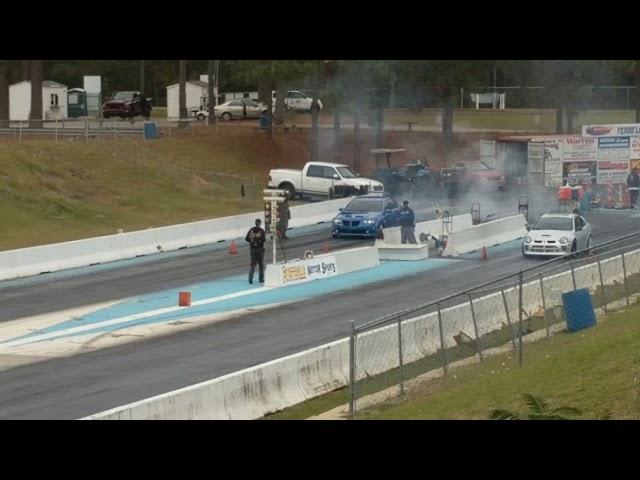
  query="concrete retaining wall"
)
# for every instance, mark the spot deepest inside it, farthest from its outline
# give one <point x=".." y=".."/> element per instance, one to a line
<point x="485" y="235"/>
<point x="80" y="253"/>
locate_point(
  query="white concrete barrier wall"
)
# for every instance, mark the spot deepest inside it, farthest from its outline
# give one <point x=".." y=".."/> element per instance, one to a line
<point x="433" y="227"/>
<point x="250" y="393"/>
<point x="485" y="235"/>
<point x="266" y="388"/>
<point x="80" y="253"/>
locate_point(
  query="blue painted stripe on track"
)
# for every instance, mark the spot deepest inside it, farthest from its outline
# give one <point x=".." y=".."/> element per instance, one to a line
<point x="291" y="293"/>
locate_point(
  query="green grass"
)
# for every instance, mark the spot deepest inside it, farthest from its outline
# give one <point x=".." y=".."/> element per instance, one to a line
<point x="530" y="120"/>
<point x="58" y="191"/>
<point x="595" y="370"/>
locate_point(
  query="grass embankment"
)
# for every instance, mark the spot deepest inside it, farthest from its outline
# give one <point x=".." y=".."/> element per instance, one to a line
<point x="595" y="370"/>
<point x="57" y="191"/>
<point x="522" y="119"/>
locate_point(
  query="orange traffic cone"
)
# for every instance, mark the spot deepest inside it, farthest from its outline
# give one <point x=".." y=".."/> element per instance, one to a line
<point x="233" y="248"/>
<point x="325" y="247"/>
<point x="483" y="255"/>
<point x="184" y="299"/>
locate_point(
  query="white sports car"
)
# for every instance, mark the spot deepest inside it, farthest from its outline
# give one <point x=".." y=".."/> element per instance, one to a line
<point x="557" y="234"/>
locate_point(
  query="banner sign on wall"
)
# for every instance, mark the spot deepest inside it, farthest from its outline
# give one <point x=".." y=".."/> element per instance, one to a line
<point x="553" y="163"/>
<point x="613" y="159"/>
<point x="311" y="269"/>
<point x="578" y="149"/>
<point x="613" y="172"/>
<point x="623" y="130"/>
<point x="579" y="173"/>
<point x="535" y="163"/>
<point x="635" y="148"/>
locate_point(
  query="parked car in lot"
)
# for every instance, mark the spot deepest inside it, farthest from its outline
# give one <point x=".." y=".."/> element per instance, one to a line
<point x="465" y="176"/>
<point x="295" y="100"/>
<point x="127" y="104"/>
<point x="365" y="216"/>
<point x="557" y="234"/>
<point x="235" y="109"/>
<point x="320" y="179"/>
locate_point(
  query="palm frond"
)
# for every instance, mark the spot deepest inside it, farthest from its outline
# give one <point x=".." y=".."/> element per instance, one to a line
<point x="536" y="404"/>
<point x="500" y="414"/>
<point x="566" y="411"/>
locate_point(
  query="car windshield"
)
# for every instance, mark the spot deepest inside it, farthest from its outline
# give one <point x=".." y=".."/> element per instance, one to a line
<point x="477" y="167"/>
<point x="122" y="96"/>
<point x="365" y="205"/>
<point x="346" y="172"/>
<point x="554" y="223"/>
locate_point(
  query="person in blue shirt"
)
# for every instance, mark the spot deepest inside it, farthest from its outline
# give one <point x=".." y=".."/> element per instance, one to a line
<point x="407" y="220"/>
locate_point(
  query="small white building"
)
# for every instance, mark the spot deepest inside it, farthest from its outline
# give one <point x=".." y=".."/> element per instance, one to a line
<point x="54" y="100"/>
<point x="196" y="91"/>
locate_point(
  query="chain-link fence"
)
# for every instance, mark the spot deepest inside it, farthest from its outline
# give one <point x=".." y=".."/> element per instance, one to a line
<point x="604" y="97"/>
<point x="500" y="315"/>
<point x="71" y="129"/>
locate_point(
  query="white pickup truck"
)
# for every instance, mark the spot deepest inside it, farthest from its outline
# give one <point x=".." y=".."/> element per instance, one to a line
<point x="320" y="179"/>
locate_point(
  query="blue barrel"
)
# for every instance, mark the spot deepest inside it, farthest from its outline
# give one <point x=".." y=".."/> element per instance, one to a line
<point x="578" y="310"/>
<point x="264" y="121"/>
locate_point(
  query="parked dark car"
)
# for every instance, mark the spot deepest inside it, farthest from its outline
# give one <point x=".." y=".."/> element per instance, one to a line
<point x="127" y="105"/>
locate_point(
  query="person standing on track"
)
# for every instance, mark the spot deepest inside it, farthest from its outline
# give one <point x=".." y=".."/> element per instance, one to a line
<point x="407" y="220"/>
<point x="633" y="182"/>
<point x="256" y="238"/>
<point x="285" y="216"/>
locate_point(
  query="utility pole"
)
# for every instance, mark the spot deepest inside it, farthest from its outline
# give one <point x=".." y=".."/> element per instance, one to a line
<point x="142" y="77"/>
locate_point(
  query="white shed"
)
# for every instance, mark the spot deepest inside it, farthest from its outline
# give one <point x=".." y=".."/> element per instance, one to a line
<point x="54" y="100"/>
<point x="196" y="91"/>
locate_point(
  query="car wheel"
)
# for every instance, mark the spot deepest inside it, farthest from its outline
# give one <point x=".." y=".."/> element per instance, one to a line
<point x="200" y="116"/>
<point x="589" y="242"/>
<point x="574" y="246"/>
<point x="226" y="116"/>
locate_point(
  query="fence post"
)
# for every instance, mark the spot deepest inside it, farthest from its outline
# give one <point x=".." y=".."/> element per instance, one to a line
<point x="445" y="366"/>
<point x="20" y="137"/>
<point x="86" y="130"/>
<point x="604" y="295"/>
<point x="506" y="311"/>
<point x="352" y="370"/>
<point x="520" y="317"/>
<point x="400" y="357"/>
<point x="573" y="274"/>
<point x="544" y="306"/>
<point x="115" y="128"/>
<point x="624" y="273"/>
<point x="475" y="328"/>
<point x="55" y="123"/>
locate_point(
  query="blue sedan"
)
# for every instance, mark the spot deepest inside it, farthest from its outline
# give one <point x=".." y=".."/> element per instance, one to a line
<point x="365" y="216"/>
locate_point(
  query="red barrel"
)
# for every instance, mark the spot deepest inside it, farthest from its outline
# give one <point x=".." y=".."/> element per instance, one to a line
<point x="184" y="299"/>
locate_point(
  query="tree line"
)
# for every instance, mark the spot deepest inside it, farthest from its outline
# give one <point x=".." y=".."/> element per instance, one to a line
<point x="356" y="87"/>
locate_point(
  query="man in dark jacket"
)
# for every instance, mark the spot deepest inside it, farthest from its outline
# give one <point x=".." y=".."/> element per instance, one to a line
<point x="633" y="182"/>
<point x="285" y="216"/>
<point x="407" y="220"/>
<point x="256" y="238"/>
